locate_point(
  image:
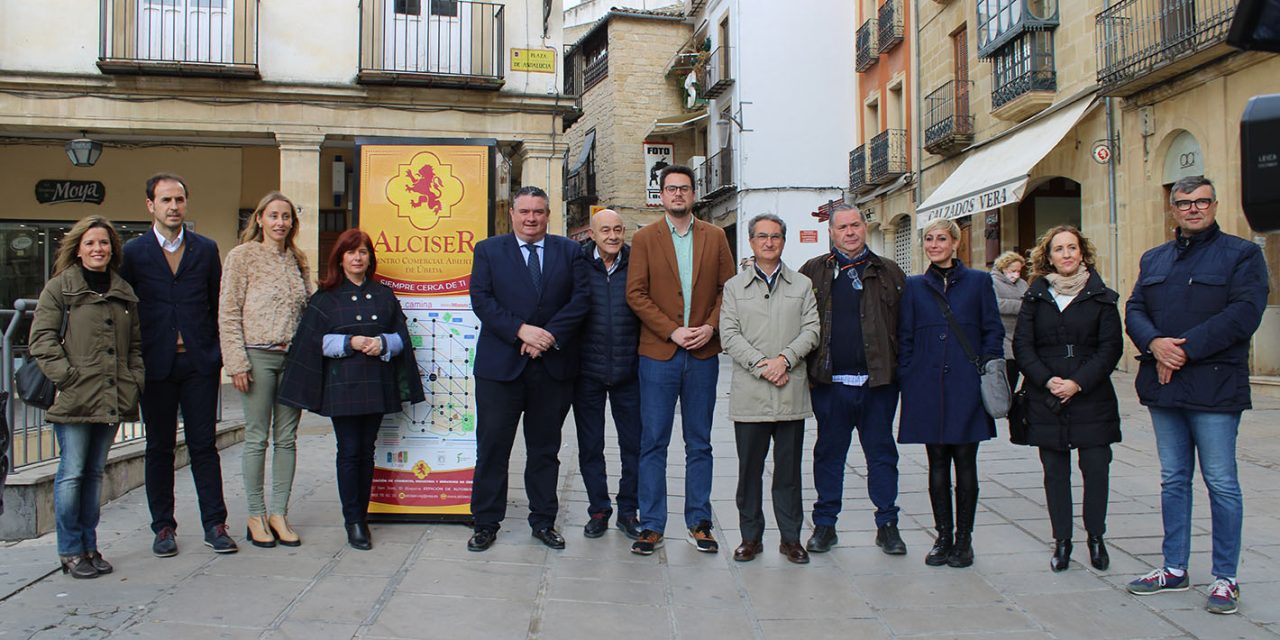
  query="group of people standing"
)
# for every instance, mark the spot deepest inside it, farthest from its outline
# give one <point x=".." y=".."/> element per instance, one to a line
<point x="150" y="325"/>
<point x="842" y="339"/>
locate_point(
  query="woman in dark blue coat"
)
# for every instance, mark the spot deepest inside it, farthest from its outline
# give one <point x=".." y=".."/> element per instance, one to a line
<point x="941" y="396"/>
<point x="1067" y="343"/>
<point x="351" y="360"/>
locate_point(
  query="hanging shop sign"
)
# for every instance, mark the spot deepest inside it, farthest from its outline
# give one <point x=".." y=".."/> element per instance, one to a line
<point x="657" y="156"/>
<point x="63" y="191"/>
<point x="426" y="203"/>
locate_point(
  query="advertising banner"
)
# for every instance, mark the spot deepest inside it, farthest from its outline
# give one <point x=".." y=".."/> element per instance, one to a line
<point x="425" y="204"/>
<point x="657" y="156"/>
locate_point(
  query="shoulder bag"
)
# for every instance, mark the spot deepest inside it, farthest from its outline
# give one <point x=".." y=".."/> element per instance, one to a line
<point x="31" y="384"/>
<point x="994" y="380"/>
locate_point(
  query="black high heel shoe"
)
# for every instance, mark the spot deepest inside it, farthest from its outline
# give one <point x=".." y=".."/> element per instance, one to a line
<point x="1061" y="555"/>
<point x="1098" y="556"/>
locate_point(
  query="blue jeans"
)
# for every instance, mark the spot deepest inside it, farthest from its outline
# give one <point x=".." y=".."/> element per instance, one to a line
<point x="839" y="410"/>
<point x="693" y="382"/>
<point x="1180" y="435"/>
<point x="77" y="487"/>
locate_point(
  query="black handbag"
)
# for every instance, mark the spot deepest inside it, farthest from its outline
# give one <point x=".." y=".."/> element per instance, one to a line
<point x="1018" y="420"/>
<point x="35" y="388"/>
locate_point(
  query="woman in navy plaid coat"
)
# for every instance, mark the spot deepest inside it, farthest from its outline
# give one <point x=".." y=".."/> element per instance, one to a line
<point x="351" y="360"/>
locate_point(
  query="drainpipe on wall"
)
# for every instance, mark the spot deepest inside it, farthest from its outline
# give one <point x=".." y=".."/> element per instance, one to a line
<point x="1112" y="141"/>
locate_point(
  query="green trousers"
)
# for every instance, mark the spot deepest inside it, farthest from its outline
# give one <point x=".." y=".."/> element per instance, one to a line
<point x="264" y="417"/>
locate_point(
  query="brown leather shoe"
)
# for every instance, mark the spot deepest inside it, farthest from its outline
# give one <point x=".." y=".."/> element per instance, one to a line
<point x="285" y="534"/>
<point x="794" y="552"/>
<point x="748" y="550"/>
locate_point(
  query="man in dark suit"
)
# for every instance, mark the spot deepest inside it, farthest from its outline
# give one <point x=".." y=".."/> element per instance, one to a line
<point x="530" y="291"/>
<point x="175" y="274"/>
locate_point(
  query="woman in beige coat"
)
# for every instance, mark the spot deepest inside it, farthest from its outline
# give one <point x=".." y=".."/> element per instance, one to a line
<point x="264" y="290"/>
<point x="96" y="365"/>
<point x="768" y="324"/>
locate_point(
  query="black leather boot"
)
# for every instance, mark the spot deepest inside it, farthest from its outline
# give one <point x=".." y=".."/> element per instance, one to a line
<point x="962" y="552"/>
<point x="1061" y="555"/>
<point x="1098" y="556"/>
<point x="941" y="550"/>
<point x="358" y="536"/>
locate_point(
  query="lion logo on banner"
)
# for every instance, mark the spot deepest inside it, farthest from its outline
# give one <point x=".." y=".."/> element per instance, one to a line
<point x="425" y="190"/>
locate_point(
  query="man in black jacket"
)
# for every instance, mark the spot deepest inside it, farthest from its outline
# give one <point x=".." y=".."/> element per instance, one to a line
<point x="610" y="363"/>
<point x="176" y="275"/>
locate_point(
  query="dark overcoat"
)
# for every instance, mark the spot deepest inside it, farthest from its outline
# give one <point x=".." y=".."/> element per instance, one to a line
<point x="941" y="397"/>
<point x="357" y="384"/>
<point x="611" y="332"/>
<point x="1081" y="343"/>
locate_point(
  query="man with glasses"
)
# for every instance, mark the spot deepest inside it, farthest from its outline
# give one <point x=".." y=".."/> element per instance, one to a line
<point x="852" y="377"/>
<point x="1197" y="302"/>
<point x="678" y="269"/>
<point x="768" y="324"/>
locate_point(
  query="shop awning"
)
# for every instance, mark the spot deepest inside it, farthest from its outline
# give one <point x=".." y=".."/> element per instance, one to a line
<point x="588" y="143"/>
<point x="996" y="174"/>
<point x="677" y="122"/>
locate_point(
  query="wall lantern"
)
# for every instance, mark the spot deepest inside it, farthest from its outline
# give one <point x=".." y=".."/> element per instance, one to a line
<point x="83" y="152"/>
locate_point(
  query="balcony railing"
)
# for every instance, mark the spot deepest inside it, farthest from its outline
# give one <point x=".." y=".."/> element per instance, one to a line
<point x="858" y="170"/>
<point x="948" y="125"/>
<point x="595" y="71"/>
<point x="215" y="38"/>
<point x="437" y="43"/>
<point x="580" y="186"/>
<point x="715" y="175"/>
<point x="889" y="159"/>
<point x="715" y="72"/>
<point x="890" y="25"/>
<point x="866" y="46"/>
<point x="1141" y="43"/>
<point x="1040" y="80"/>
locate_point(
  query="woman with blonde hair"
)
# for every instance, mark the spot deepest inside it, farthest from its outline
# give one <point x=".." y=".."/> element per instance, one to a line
<point x="1006" y="278"/>
<point x="264" y="291"/>
<point x="86" y="338"/>
<point x="1067" y="343"/>
<point x="946" y="312"/>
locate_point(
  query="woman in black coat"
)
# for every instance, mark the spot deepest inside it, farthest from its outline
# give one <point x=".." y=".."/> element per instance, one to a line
<point x="1067" y="342"/>
<point x="351" y="360"/>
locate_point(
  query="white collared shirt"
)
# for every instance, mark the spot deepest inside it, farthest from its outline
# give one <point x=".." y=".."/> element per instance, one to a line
<point x="611" y="268"/>
<point x="165" y="243"/>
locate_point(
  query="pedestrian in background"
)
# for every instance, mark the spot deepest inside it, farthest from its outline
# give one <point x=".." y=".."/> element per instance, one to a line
<point x="1067" y="343"/>
<point x="941" y="399"/>
<point x="768" y="325"/>
<point x="96" y="365"/>
<point x="1006" y="277"/>
<point x="264" y="291"/>
<point x="351" y="360"/>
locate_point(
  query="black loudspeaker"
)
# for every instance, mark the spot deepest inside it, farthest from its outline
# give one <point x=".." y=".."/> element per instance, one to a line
<point x="1260" y="162"/>
<point x="1256" y="26"/>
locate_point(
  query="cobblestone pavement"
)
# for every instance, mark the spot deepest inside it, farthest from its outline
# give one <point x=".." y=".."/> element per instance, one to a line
<point x="420" y="582"/>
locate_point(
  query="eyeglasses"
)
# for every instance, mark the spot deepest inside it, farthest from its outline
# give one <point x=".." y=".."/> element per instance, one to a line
<point x="1186" y="205"/>
<point x="768" y="236"/>
<point x="678" y="188"/>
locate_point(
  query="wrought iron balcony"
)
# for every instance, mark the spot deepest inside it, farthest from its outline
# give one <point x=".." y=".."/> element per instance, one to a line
<point x="432" y="43"/>
<point x="595" y="71"/>
<point x="715" y="73"/>
<point x="866" y="46"/>
<point x="889" y="159"/>
<point x="580" y="185"/>
<point x="890" y="25"/>
<point x="715" y="175"/>
<point x="1141" y="43"/>
<point x="213" y="38"/>
<point x="948" y="125"/>
<point x="1041" y="80"/>
<point x="858" y="170"/>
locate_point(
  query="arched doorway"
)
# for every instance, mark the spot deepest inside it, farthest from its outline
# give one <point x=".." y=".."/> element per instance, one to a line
<point x="1183" y="158"/>
<point x="1056" y="201"/>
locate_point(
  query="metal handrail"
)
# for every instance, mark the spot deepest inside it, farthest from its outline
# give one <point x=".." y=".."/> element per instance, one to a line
<point x="1135" y="37"/>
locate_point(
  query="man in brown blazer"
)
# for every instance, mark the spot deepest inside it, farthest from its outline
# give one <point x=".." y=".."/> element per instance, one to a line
<point x="678" y="269"/>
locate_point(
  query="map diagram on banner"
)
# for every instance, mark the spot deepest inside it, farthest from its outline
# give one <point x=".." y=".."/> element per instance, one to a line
<point x="444" y="343"/>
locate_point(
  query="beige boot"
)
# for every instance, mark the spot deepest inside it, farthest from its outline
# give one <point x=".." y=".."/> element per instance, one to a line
<point x="259" y="533"/>
<point x="284" y="533"/>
